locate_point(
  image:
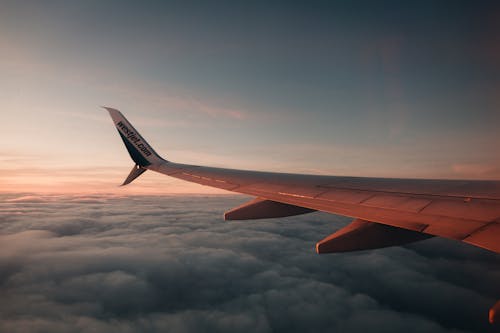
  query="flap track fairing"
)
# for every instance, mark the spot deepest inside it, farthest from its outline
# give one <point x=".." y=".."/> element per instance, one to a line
<point x="264" y="209"/>
<point x="365" y="235"/>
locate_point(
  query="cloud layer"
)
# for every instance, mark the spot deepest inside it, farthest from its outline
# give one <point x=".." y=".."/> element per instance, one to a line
<point x="149" y="264"/>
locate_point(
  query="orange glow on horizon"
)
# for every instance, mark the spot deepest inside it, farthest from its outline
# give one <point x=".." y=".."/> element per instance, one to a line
<point x="108" y="180"/>
<point x="57" y="181"/>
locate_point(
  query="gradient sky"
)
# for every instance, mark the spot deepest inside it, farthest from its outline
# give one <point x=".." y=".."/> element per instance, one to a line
<point x="385" y="88"/>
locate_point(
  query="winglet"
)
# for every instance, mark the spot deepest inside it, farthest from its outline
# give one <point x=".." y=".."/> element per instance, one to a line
<point x="136" y="171"/>
<point x="140" y="151"/>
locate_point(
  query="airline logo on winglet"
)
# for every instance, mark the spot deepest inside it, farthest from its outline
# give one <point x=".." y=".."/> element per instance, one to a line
<point x="133" y="138"/>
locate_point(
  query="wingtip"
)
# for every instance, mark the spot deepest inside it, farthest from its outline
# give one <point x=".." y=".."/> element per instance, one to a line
<point x="114" y="113"/>
<point x="109" y="109"/>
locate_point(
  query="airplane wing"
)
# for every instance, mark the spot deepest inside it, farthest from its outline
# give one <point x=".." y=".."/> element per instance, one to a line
<point x="386" y="211"/>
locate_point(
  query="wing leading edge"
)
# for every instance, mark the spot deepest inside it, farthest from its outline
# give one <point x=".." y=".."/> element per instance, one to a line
<point x="409" y="209"/>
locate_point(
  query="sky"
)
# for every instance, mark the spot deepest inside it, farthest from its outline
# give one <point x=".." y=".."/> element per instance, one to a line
<point x="362" y="88"/>
<point x="113" y="263"/>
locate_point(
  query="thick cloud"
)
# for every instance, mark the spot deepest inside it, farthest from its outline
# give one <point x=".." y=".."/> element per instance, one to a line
<point x="148" y="264"/>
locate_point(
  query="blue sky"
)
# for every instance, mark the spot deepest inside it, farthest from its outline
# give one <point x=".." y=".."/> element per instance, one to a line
<point x="339" y="87"/>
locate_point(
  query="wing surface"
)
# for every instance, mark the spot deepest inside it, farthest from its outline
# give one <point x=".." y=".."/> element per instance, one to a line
<point x="467" y="211"/>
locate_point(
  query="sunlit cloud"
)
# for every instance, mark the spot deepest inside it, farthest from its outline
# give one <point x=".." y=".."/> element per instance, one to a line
<point x="100" y="263"/>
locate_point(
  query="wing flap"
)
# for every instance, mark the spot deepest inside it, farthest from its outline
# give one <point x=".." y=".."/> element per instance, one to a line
<point x="482" y="210"/>
<point x="486" y="237"/>
<point x="453" y="228"/>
